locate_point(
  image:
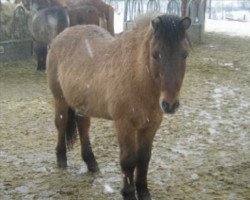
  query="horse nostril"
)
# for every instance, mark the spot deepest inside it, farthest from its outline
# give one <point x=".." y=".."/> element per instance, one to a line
<point x="176" y="105"/>
<point x="165" y="106"/>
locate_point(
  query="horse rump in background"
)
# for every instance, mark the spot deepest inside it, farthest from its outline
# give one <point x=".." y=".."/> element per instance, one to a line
<point x="83" y="15"/>
<point x="131" y="80"/>
<point x="45" y="24"/>
<point x="105" y="12"/>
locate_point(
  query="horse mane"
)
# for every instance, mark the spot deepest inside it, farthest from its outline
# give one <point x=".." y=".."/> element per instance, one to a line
<point x="145" y="19"/>
<point x="169" y="31"/>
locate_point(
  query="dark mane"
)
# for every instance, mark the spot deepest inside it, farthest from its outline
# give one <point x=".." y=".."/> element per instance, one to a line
<point x="171" y="29"/>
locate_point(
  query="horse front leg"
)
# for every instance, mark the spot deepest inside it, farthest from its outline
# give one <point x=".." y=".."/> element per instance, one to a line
<point x="144" y="146"/>
<point x="128" y="158"/>
<point x="83" y="124"/>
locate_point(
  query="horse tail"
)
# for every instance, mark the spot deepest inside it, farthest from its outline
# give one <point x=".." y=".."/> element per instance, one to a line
<point x="71" y="133"/>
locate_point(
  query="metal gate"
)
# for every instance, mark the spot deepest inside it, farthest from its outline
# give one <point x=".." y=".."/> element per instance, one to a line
<point x="195" y="9"/>
<point x="18" y="44"/>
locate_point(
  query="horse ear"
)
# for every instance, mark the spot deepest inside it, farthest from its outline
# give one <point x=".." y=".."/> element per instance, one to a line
<point x="156" y="23"/>
<point x="186" y="22"/>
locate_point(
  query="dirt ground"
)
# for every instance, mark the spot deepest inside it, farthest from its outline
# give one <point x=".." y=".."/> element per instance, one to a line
<point x="201" y="152"/>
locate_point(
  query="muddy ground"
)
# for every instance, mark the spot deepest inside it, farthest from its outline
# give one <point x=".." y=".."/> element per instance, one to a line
<point x="201" y="152"/>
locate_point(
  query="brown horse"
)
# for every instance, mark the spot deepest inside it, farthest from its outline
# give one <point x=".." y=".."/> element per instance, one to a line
<point x="92" y="74"/>
<point x="105" y="11"/>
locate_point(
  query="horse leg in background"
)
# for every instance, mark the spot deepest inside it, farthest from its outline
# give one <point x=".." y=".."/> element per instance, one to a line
<point x="128" y="158"/>
<point x="83" y="124"/>
<point x="41" y="54"/>
<point x="144" y="146"/>
<point x="64" y="121"/>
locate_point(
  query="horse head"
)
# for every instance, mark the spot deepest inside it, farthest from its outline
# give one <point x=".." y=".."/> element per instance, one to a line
<point x="169" y="50"/>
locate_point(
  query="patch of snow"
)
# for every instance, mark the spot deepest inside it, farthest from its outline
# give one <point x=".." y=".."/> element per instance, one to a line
<point x="108" y="189"/>
<point x="205" y="114"/>
<point x="232" y="28"/>
<point x="83" y="170"/>
<point x="193" y="138"/>
<point x="3" y="154"/>
<point x="114" y="179"/>
<point x="181" y="150"/>
<point x="218" y="90"/>
<point x="42" y="170"/>
<point x="212" y="131"/>
<point x="108" y="169"/>
<point x="195" y="177"/>
<point x="2" y="187"/>
<point x="22" y="189"/>
<point x="222" y="64"/>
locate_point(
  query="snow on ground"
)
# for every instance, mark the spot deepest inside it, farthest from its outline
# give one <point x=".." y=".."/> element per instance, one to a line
<point x="233" y="28"/>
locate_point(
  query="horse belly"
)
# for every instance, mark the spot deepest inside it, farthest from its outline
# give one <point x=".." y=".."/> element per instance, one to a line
<point x="93" y="108"/>
<point x="85" y="111"/>
<point x="87" y="100"/>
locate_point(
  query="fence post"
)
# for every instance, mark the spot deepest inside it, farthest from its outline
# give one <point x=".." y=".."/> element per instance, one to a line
<point x="196" y="11"/>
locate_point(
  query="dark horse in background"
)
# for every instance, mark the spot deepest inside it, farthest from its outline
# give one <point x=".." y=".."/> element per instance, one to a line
<point x="132" y="80"/>
<point x="79" y="12"/>
<point x="45" y="24"/>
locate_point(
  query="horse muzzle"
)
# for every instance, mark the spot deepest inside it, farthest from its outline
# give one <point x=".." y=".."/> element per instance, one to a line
<point x="169" y="108"/>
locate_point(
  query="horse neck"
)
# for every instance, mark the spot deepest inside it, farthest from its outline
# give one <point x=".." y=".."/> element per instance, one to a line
<point x="144" y="75"/>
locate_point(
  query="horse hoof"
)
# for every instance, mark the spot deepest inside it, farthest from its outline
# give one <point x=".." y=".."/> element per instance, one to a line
<point x="144" y="195"/>
<point x="129" y="198"/>
<point x="128" y="193"/>
<point x="93" y="168"/>
<point x="61" y="164"/>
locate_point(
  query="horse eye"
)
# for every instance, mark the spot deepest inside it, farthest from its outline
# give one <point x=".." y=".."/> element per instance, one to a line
<point x="185" y="55"/>
<point x="156" y="55"/>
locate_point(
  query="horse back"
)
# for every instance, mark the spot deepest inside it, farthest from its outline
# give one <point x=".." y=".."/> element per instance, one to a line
<point x="81" y="39"/>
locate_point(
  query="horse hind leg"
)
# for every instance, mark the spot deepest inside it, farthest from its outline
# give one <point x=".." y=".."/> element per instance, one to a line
<point x="41" y="55"/>
<point x="66" y="127"/>
<point x="83" y="124"/>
